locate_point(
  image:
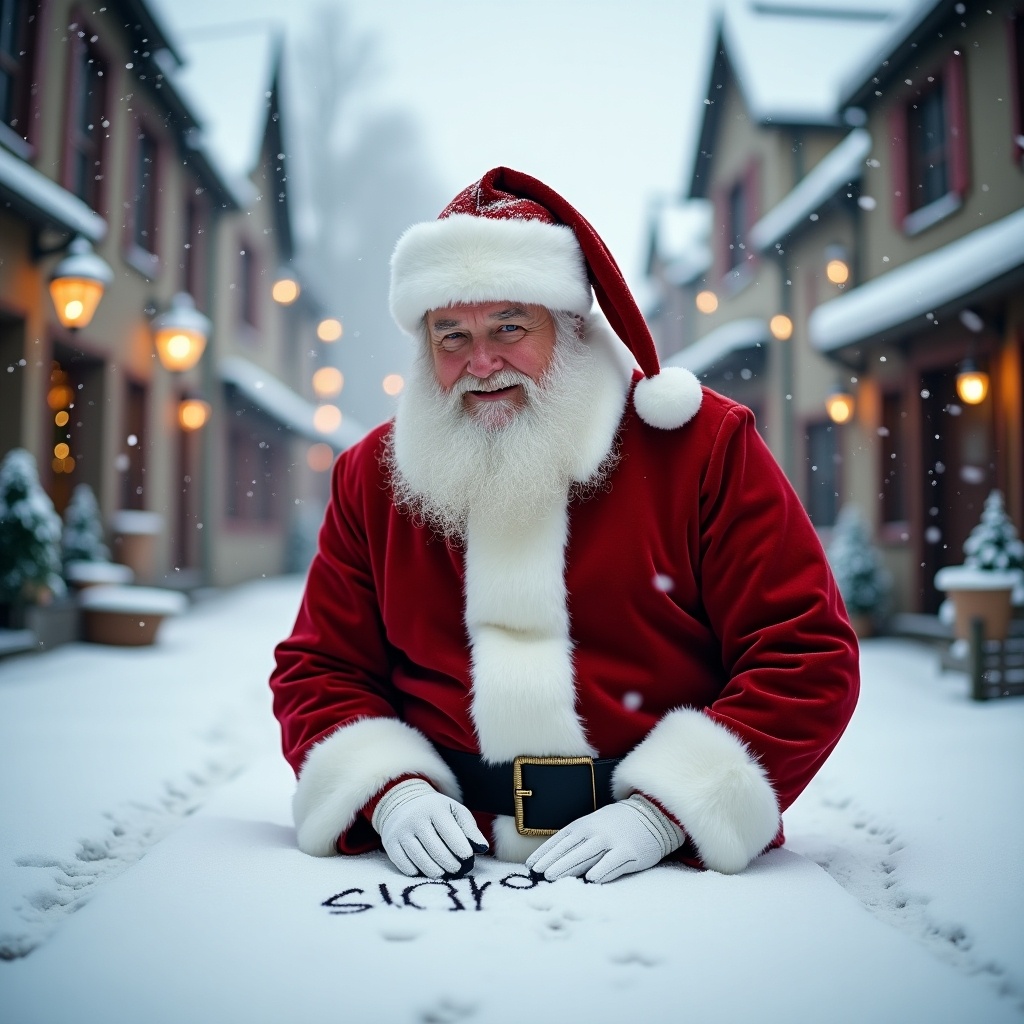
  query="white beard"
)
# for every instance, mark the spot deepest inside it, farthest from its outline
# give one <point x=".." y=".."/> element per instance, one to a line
<point x="504" y="465"/>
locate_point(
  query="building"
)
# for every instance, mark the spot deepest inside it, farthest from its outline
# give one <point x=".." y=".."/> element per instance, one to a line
<point x="866" y="242"/>
<point x="103" y="148"/>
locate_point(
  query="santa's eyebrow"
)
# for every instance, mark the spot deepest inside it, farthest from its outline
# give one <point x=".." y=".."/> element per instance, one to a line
<point x="509" y="314"/>
<point x="444" y="325"/>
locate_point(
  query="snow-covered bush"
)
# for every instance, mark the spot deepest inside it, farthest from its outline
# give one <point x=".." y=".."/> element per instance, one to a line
<point x="863" y="580"/>
<point x="83" y="530"/>
<point x="993" y="543"/>
<point x="30" y="532"/>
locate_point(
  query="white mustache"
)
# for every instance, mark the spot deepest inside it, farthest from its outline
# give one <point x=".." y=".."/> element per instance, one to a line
<point x="497" y="381"/>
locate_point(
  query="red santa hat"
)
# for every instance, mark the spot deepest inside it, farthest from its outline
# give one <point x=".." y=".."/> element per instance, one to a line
<point x="509" y="237"/>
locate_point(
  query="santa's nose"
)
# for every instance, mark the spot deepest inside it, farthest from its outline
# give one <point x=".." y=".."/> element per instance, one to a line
<point x="484" y="358"/>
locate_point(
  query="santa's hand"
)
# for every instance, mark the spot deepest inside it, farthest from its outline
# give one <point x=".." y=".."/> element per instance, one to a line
<point x="627" y="836"/>
<point x="426" y="833"/>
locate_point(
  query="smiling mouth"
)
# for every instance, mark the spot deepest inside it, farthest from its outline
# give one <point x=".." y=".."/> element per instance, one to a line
<point x="495" y="394"/>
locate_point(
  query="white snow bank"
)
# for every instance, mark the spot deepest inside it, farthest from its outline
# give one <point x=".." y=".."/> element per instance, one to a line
<point x="969" y="577"/>
<point x="137" y="521"/>
<point x="227" y="920"/>
<point x="133" y="600"/>
<point x="97" y="572"/>
<point x="920" y="286"/>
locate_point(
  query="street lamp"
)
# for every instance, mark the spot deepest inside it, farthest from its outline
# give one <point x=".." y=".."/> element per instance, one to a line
<point x="77" y="284"/>
<point x="971" y="383"/>
<point x="286" y="289"/>
<point x="193" y="413"/>
<point x="840" y="404"/>
<point x="180" y="334"/>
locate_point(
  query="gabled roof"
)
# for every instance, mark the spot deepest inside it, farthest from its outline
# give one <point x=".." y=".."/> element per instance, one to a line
<point x="790" y="60"/>
<point x="680" y="240"/>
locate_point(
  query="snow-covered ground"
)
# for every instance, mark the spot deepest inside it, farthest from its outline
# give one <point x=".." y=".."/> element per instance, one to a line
<point x="171" y="752"/>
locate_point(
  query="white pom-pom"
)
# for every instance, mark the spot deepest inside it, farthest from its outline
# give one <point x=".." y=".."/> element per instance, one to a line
<point x="668" y="400"/>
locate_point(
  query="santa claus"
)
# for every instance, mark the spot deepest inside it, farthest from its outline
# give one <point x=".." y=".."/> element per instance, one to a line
<point x="562" y="609"/>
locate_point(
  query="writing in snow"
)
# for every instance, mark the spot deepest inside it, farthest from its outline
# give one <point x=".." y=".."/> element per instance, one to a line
<point x="426" y="894"/>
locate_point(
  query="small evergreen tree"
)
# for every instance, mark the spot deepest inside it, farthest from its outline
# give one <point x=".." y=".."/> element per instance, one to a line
<point x="82" y="538"/>
<point x="993" y="544"/>
<point x="860" y="575"/>
<point x="30" y="532"/>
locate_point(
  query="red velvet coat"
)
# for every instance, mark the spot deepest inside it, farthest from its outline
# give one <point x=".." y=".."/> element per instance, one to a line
<point x="706" y="639"/>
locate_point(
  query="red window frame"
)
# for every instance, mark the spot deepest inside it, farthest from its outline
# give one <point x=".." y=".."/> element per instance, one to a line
<point x="949" y="85"/>
<point x="737" y="209"/>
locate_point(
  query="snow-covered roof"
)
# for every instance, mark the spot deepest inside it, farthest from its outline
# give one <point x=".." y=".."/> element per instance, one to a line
<point x="681" y="239"/>
<point x="278" y="400"/>
<point x="793" y="58"/>
<point x="899" y="27"/>
<point x="839" y="167"/>
<point x="920" y="286"/>
<point x="23" y="185"/>
<point x="724" y="341"/>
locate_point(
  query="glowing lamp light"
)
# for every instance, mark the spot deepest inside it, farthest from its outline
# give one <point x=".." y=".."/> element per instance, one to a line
<point x="329" y="329"/>
<point x="320" y="457"/>
<point x="781" y="327"/>
<point x="971" y="383"/>
<point x="285" y="290"/>
<point x="393" y="384"/>
<point x="180" y="334"/>
<point x="837" y="271"/>
<point x="193" y="413"/>
<point x="328" y="381"/>
<point x="77" y="284"/>
<point x="840" y="405"/>
<point x="706" y="301"/>
<point x="327" y="418"/>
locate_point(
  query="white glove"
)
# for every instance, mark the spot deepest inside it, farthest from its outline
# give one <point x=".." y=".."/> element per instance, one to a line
<point x="425" y="832"/>
<point x="626" y="836"/>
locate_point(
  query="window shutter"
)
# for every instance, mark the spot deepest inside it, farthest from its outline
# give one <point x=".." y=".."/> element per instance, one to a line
<point x="959" y="150"/>
<point x="900" y="163"/>
<point x="720" y="229"/>
<point x="752" y="194"/>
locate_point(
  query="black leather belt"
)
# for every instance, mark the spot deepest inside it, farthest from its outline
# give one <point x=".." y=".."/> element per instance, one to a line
<point x="543" y="794"/>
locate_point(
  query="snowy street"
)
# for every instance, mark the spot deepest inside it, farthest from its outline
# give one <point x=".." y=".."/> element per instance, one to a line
<point x="148" y="868"/>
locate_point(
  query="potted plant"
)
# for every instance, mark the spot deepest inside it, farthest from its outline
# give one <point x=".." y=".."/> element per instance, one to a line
<point x="863" y="580"/>
<point x="86" y="558"/>
<point x="991" y="577"/>
<point x="30" y="531"/>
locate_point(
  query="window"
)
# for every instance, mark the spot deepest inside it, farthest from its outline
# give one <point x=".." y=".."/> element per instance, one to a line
<point x="145" y="194"/>
<point x="18" y="20"/>
<point x="86" y="130"/>
<point x="194" y="259"/>
<point x="736" y="210"/>
<point x="893" y="453"/>
<point x="822" y="474"/>
<point x="931" y="159"/>
<point x="253" y="469"/>
<point x="248" y="287"/>
<point x="737" y="221"/>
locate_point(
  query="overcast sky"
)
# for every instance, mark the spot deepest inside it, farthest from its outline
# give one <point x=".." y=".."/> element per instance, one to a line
<point x="599" y="98"/>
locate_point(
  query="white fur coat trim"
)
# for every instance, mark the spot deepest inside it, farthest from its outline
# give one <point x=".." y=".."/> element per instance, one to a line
<point x="463" y="259"/>
<point x="516" y="605"/>
<point x="708" y="779"/>
<point x="346" y="769"/>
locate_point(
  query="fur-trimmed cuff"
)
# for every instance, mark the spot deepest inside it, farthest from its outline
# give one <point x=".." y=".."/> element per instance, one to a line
<point x="710" y="782"/>
<point x="346" y="769"/>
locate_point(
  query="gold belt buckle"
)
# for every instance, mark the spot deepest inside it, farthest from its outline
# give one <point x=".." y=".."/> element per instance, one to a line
<point x="519" y="794"/>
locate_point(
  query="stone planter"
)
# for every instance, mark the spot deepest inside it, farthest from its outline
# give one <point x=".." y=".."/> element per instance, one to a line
<point x="978" y="593"/>
<point x="127" y="616"/>
<point x="135" y="536"/>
